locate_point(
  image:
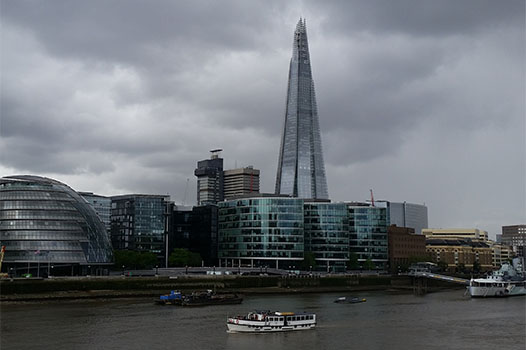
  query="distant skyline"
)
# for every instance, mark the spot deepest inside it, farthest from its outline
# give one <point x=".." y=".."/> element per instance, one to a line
<point x="422" y="101"/>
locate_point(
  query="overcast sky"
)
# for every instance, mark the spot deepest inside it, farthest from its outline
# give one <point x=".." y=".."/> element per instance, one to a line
<point x="422" y="101"/>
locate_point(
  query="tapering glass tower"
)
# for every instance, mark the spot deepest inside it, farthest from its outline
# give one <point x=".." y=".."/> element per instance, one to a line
<point x="301" y="171"/>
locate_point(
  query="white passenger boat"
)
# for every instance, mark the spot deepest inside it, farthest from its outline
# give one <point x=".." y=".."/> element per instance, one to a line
<point x="509" y="280"/>
<point x="266" y="321"/>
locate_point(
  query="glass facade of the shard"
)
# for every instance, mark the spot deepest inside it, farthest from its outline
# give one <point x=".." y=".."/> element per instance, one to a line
<point x="301" y="171"/>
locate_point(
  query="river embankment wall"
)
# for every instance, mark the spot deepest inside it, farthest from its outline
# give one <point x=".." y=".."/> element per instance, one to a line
<point x="113" y="287"/>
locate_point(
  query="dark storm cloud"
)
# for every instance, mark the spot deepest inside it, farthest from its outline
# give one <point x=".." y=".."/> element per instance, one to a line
<point x="126" y="96"/>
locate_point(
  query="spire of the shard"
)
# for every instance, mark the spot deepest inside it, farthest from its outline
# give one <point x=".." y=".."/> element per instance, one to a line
<point x="301" y="171"/>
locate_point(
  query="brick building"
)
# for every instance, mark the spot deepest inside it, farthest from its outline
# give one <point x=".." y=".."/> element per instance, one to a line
<point x="404" y="246"/>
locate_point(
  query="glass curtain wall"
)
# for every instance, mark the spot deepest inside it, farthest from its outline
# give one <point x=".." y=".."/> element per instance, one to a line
<point x="368" y="236"/>
<point x="327" y="234"/>
<point x="261" y="232"/>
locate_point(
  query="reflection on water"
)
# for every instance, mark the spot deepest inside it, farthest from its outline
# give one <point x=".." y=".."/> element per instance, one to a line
<point x="446" y="320"/>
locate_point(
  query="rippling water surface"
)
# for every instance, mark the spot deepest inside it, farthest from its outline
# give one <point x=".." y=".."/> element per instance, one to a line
<point x="445" y="320"/>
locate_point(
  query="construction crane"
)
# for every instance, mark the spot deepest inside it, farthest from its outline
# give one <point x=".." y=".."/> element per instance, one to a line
<point x="185" y="191"/>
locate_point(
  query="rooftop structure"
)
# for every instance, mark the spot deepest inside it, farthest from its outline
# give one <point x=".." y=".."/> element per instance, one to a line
<point x="210" y="183"/>
<point x="242" y="181"/>
<point x="453" y="233"/>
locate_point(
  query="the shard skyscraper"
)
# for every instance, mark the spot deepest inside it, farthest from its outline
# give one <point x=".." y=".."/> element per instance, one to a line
<point x="301" y="171"/>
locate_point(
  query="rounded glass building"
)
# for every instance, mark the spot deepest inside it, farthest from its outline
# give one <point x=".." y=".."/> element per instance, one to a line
<point x="48" y="228"/>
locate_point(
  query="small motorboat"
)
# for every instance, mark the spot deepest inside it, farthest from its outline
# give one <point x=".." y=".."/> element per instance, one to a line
<point x="174" y="298"/>
<point x="350" y="300"/>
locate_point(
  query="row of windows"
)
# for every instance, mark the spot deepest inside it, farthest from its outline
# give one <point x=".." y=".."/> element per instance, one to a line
<point x="263" y="224"/>
<point x="269" y="239"/>
<point x="327" y="234"/>
<point x="18" y="195"/>
<point x="266" y="246"/>
<point x="42" y="247"/>
<point x="326" y="248"/>
<point x="77" y="257"/>
<point x="260" y="210"/>
<point x="300" y="318"/>
<point x="331" y="255"/>
<point x="326" y="228"/>
<point x="24" y="186"/>
<point x="37" y="225"/>
<point x="42" y="235"/>
<point x="40" y="214"/>
<point x="39" y="205"/>
<point x="327" y="242"/>
<point x="225" y="253"/>
<point x="261" y="231"/>
<point x="264" y="203"/>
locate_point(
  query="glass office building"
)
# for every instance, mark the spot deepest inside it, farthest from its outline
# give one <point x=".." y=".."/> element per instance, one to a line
<point x="48" y="228"/>
<point x="403" y="214"/>
<point x="301" y="170"/>
<point x="102" y="206"/>
<point x="139" y="223"/>
<point x="261" y="231"/>
<point x="368" y="234"/>
<point x="327" y="233"/>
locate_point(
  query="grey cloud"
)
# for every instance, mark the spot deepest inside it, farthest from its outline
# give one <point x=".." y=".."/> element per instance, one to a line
<point x="420" y="18"/>
<point x="128" y="96"/>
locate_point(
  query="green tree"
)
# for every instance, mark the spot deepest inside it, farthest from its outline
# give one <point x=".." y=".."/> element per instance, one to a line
<point x="309" y="261"/>
<point x="369" y="265"/>
<point x="147" y="260"/>
<point x="134" y="260"/>
<point x="353" y="263"/>
<point x="183" y="257"/>
<point x="195" y="259"/>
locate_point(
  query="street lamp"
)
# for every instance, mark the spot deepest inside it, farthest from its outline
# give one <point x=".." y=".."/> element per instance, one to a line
<point x="156" y="269"/>
<point x="89" y="270"/>
<point x="123" y="270"/>
<point x="52" y="267"/>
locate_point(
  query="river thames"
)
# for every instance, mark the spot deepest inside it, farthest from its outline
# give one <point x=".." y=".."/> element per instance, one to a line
<point x="444" y="320"/>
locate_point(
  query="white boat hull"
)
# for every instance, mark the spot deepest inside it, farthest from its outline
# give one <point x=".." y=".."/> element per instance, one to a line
<point x="494" y="291"/>
<point x="271" y="322"/>
<point x="236" y="328"/>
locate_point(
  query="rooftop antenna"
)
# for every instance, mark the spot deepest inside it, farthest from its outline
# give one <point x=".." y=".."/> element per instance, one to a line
<point x="215" y="153"/>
